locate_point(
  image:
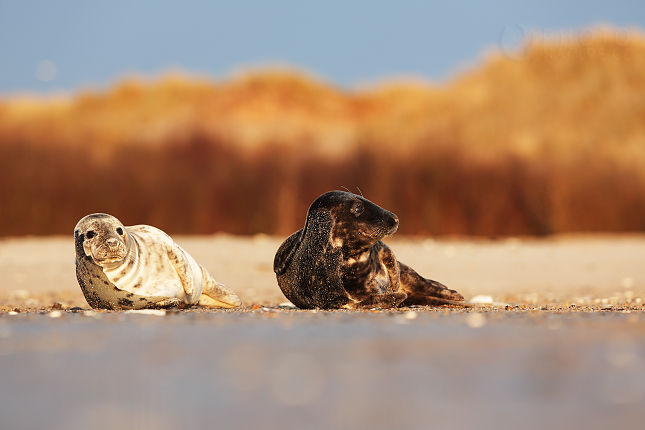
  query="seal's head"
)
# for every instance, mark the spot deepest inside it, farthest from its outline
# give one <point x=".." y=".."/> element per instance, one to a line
<point x="102" y="238"/>
<point x="357" y="222"/>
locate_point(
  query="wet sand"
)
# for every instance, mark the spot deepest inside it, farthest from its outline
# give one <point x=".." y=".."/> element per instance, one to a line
<point x="562" y="345"/>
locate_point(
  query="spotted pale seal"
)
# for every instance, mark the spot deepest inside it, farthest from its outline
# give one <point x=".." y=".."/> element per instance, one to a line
<point x="140" y="267"/>
<point x="339" y="261"/>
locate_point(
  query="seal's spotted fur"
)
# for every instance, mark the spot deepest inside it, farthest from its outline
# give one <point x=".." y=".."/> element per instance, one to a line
<point x="339" y="261"/>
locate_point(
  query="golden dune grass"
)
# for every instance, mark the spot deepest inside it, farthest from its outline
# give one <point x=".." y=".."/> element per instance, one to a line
<point x="549" y="141"/>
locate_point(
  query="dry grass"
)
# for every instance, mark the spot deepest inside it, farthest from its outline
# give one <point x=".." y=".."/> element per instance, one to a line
<point x="551" y="141"/>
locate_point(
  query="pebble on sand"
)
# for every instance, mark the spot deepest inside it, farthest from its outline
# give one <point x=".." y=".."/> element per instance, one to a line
<point x="158" y="312"/>
<point x="482" y="299"/>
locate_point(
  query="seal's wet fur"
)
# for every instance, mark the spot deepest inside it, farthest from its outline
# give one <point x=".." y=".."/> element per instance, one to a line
<point x="339" y="261"/>
<point x="140" y="267"/>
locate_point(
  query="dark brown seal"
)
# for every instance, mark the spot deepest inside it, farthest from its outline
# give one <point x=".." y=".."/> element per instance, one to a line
<point x="339" y="261"/>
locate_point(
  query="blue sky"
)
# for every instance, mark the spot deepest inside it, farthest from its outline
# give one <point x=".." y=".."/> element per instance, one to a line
<point x="66" y="45"/>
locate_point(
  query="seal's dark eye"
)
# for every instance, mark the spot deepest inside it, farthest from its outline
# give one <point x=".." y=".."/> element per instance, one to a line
<point x="357" y="209"/>
<point x="120" y="231"/>
<point x="90" y="234"/>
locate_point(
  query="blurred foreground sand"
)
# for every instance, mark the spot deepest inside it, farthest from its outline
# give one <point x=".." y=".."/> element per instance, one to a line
<point x="583" y="270"/>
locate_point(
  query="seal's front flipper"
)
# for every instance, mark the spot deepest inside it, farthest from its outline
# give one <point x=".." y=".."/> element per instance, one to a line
<point x="384" y="301"/>
<point x="417" y="300"/>
<point x="216" y="294"/>
<point x="185" y="267"/>
<point x="426" y="292"/>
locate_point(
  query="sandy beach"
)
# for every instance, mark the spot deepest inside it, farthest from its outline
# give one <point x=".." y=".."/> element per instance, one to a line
<point x="581" y="270"/>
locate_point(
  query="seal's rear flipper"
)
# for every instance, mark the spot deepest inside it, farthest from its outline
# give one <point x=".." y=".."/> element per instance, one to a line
<point x="210" y="302"/>
<point x="216" y="294"/>
<point x="421" y="290"/>
<point x="286" y="251"/>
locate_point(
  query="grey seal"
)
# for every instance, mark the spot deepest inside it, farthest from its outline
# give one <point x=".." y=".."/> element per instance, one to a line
<point x="339" y="261"/>
<point x="140" y="267"/>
